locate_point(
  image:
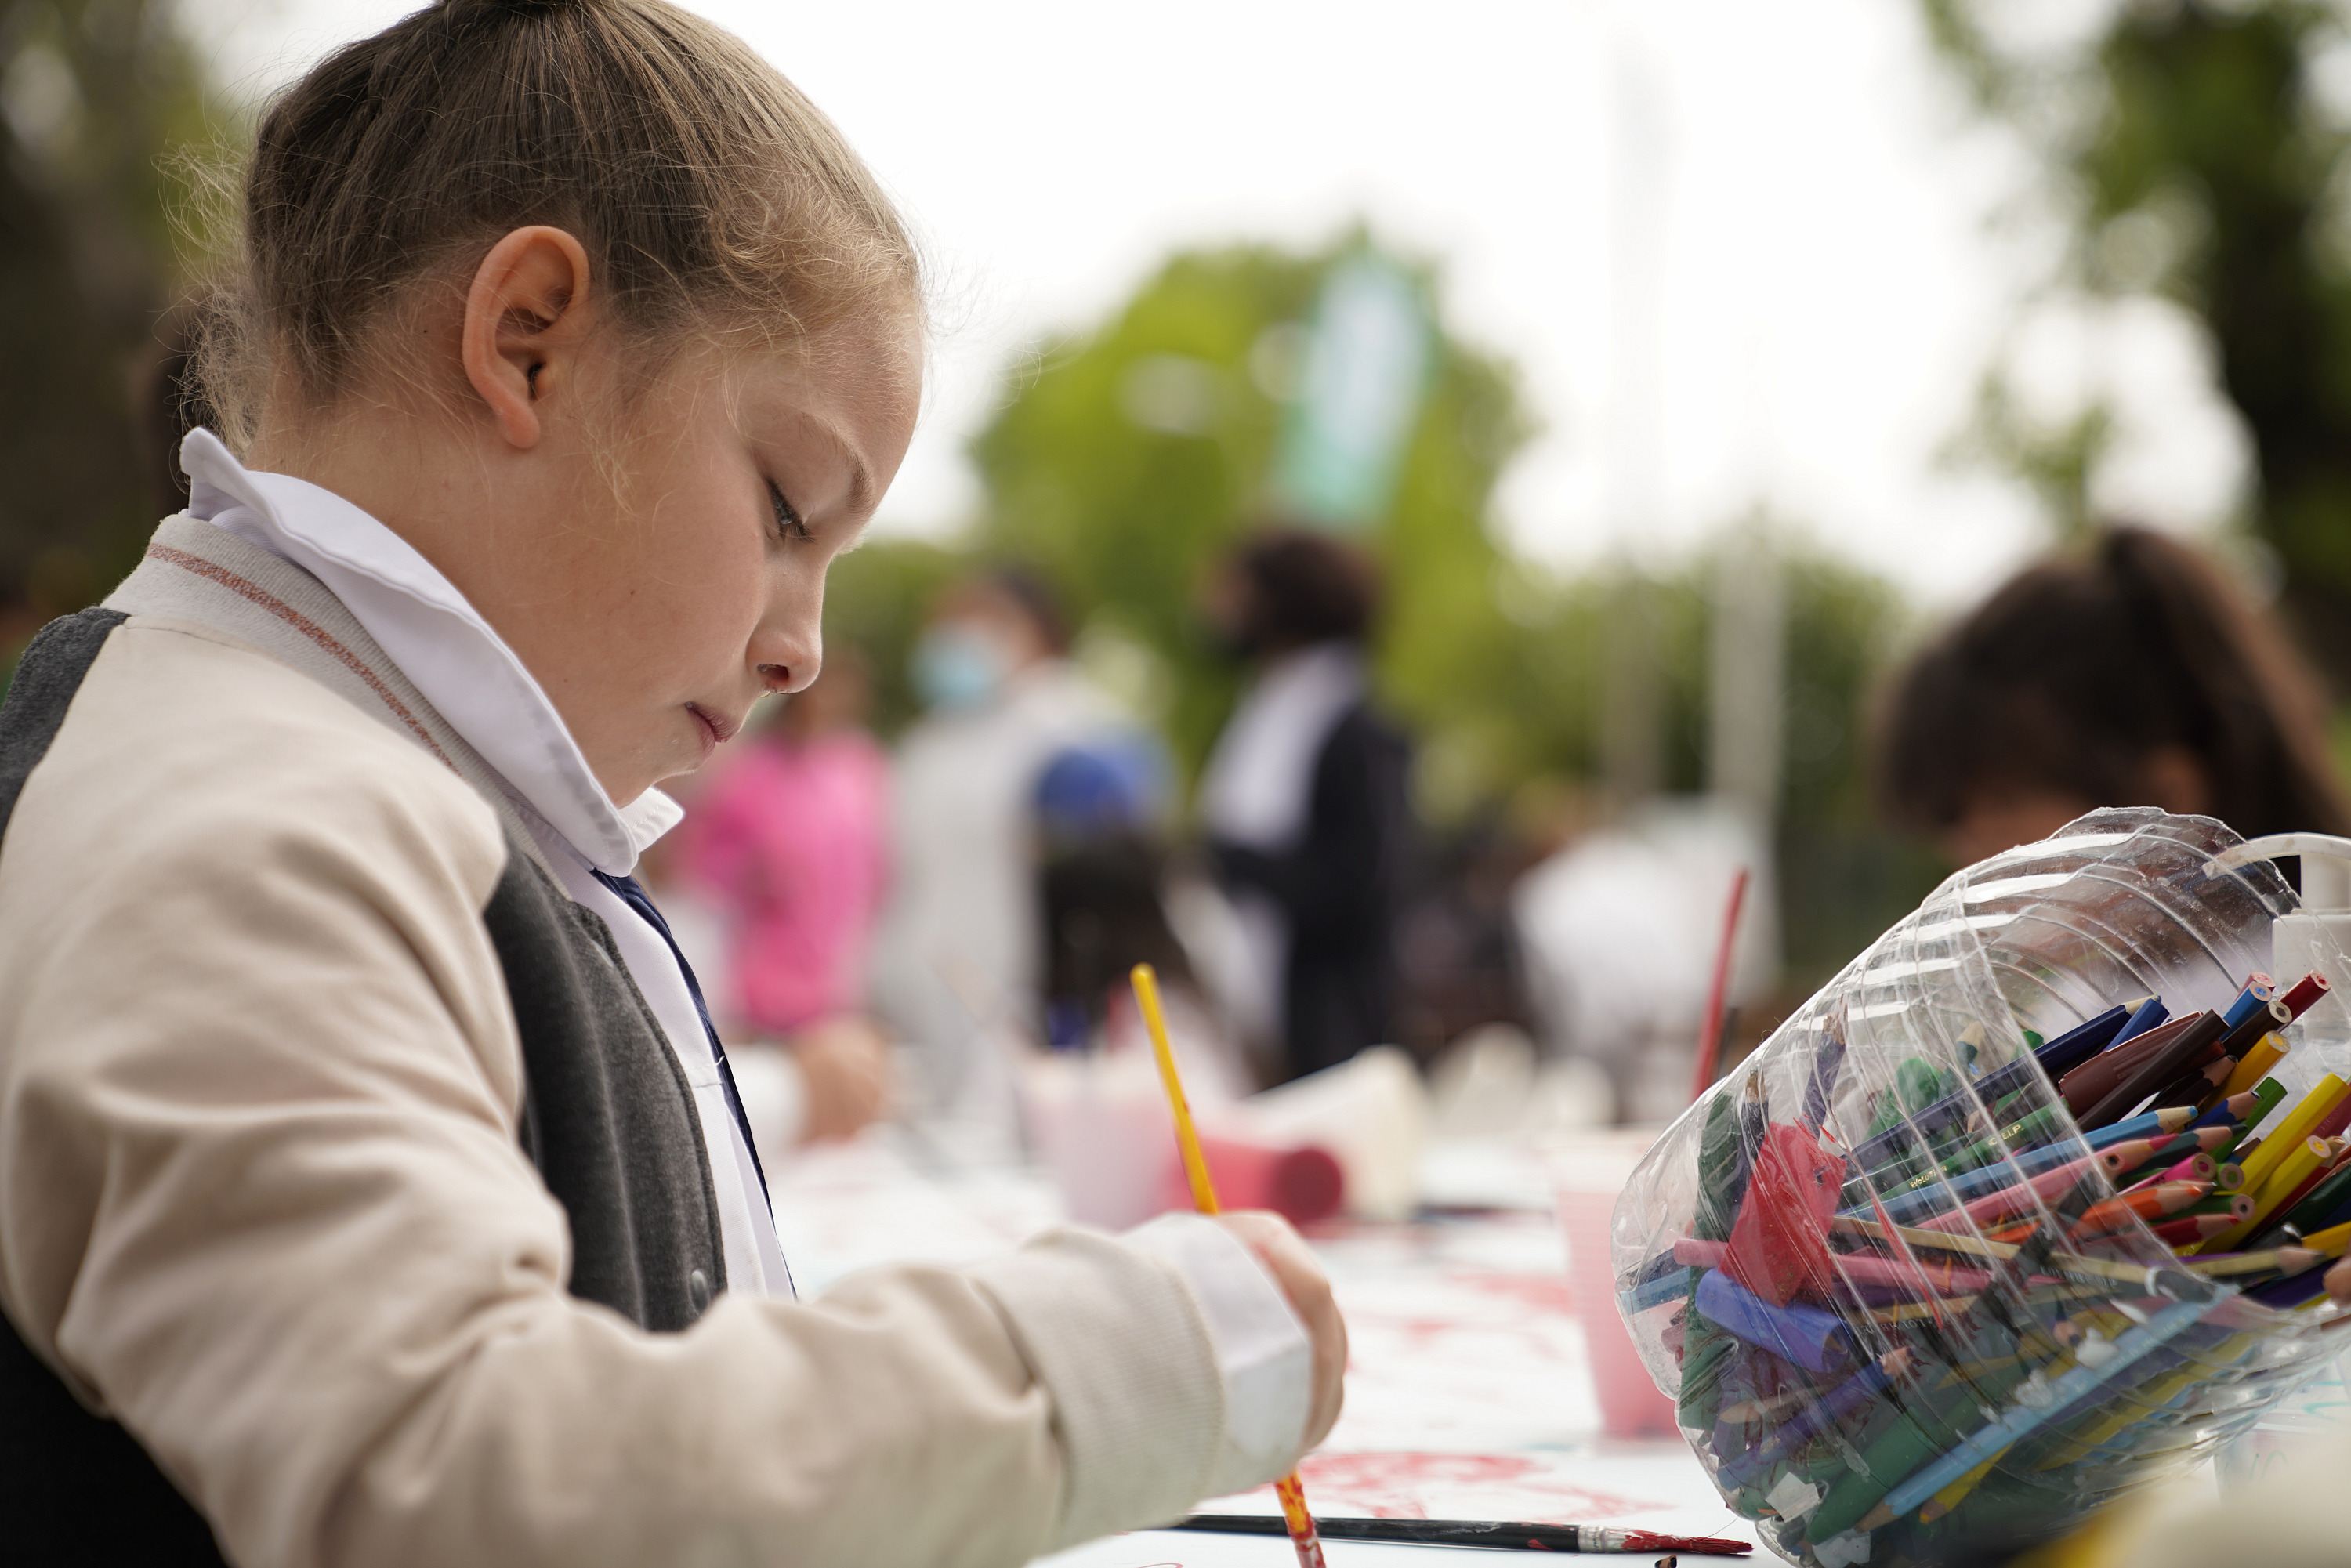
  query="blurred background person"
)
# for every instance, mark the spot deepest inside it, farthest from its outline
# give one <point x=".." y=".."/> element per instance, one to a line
<point x="958" y="963"/>
<point x="2127" y="673"/>
<point x="787" y="847"/>
<point x="1304" y="801"/>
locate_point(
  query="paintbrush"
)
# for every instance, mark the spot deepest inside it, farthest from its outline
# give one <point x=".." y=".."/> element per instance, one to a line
<point x="1500" y="1535"/>
<point x="1292" y="1493"/>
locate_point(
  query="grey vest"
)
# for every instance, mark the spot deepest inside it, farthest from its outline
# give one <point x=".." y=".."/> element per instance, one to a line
<point x="608" y="1118"/>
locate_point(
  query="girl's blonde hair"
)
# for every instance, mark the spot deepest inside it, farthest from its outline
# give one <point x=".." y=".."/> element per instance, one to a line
<point x="710" y="194"/>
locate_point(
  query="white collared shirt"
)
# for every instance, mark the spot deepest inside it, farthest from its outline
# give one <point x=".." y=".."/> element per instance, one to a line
<point x="476" y="682"/>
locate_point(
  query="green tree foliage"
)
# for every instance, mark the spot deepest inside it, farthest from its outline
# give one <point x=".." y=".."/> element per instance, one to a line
<point x="100" y="96"/>
<point x="2193" y="158"/>
<point x="1124" y="458"/>
<point x="1127" y="459"/>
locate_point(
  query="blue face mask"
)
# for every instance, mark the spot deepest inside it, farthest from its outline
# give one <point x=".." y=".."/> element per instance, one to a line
<point x="958" y="667"/>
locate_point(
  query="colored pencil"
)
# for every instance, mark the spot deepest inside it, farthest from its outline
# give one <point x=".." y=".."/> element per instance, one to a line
<point x="2189" y="1229"/>
<point x="2290" y="1132"/>
<point x="2115" y="1212"/>
<point x="2255" y="1064"/>
<point x="2305" y="992"/>
<point x="1296" y="1519"/>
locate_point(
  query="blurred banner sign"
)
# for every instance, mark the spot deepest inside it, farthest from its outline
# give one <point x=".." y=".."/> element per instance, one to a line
<point x="1366" y="364"/>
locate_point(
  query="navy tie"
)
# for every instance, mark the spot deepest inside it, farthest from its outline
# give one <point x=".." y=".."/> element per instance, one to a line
<point x="632" y="893"/>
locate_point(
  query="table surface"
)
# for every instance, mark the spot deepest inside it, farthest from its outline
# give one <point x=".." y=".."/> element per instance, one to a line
<point x="1468" y="1393"/>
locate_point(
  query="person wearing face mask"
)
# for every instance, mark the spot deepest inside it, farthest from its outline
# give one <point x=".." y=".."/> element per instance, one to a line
<point x="958" y="962"/>
<point x="1305" y="803"/>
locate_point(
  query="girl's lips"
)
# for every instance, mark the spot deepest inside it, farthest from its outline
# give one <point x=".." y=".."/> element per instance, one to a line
<point x="716" y="731"/>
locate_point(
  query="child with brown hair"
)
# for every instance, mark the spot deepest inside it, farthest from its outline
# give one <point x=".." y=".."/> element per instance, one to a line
<point x="2130" y="674"/>
<point x="372" y="1187"/>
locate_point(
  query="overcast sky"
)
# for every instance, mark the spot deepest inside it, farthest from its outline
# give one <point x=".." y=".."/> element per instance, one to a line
<point x="1740" y="253"/>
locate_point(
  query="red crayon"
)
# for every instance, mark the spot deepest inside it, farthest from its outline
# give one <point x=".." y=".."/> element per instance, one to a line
<point x="2306" y="991"/>
<point x="2115" y="1212"/>
<point x="2191" y="1228"/>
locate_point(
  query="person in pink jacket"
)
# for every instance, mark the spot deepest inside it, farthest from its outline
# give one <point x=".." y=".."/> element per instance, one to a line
<point x="789" y="845"/>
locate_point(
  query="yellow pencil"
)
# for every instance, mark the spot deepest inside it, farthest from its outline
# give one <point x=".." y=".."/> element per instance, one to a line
<point x="1294" y="1514"/>
<point x="2256" y="1065"/>
<point x="2289" y="1134"/>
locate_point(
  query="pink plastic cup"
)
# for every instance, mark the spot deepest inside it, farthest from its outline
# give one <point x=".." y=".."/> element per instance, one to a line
<point x="1630" y="1404"/>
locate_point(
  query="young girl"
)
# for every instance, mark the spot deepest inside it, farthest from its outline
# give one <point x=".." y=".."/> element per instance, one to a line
<point x="372" y="1188"/>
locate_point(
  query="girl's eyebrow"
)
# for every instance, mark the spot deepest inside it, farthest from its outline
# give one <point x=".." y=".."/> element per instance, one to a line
<point x="861" y="488"/>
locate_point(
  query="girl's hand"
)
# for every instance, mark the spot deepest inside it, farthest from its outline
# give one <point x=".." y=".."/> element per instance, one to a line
<point x="846" y="1064"/>
<point x="1301" y="1277"/>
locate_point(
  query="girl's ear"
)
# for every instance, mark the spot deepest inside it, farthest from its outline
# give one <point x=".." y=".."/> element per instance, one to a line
<point x="525" y="316"/>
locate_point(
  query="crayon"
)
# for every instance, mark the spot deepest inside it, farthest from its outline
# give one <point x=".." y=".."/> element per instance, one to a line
<point x="2277" y="1259"/>
<point x="2189" y="1229"/>
<point x="2011" y="1199"/>
<point x="2094" y="1079"/>
<point x="2293" y="1130"/>
<point x="2273" y="1214"/>
<point x="2321" y="1200"/>
<point x="2196" y="1167"/>
<point x="2171" y="1121"/>
<point x="2198" y="1084"/>
<point x="2081" y="1042"/>
<point x="2305" y="992"/>
<point x="2256" y="1063"/>
<point x="2268" y="1095"/>
<point x="2117" y="1212"/>
<point x="2149" y="1015"/>
<point x="2289" y="1291"/>
<point x="2134" y="1154"/>
<point x="1814" y="1340"/>
<point x="2332" y="1240"/>
<point x="2286" y="1177"/>
<point x="1923" y="1195"/>
<point x="1919" y="1278"/>
<point x="2258" y="1025"/>
<point x="2189" y="1047"/>
<point x="2258" y="989"/>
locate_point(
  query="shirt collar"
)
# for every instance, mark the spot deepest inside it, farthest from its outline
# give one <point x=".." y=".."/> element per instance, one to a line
<point x="438" y="639"/>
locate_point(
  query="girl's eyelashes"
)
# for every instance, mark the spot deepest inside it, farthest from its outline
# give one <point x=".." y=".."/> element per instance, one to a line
<point x="788" y="521"/>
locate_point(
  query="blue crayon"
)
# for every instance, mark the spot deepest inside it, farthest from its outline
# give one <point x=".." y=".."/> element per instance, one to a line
<point x="1655" y="1293"/>
<point x="1815" y="1340"/>
<point x="2081" y="1042"/>
<point x="2249" y="1001"/>
<point x="2150" y="1013"/>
